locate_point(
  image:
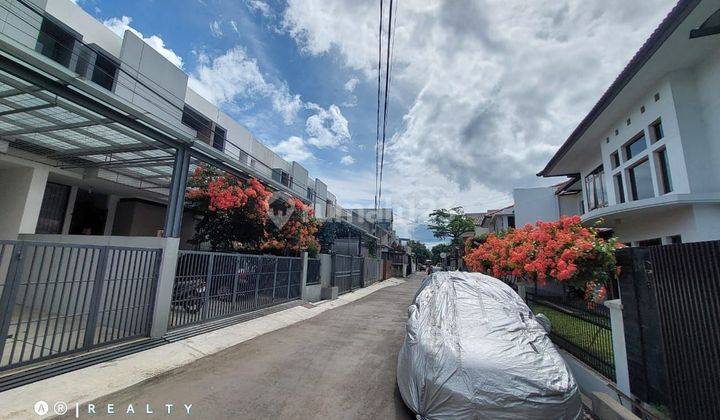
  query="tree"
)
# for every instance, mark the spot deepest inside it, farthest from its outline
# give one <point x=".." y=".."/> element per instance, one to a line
<point x="420" y="250"/>
<point x="450" y="223"/>
<point x="439" y="249"/>
<point x="233" y="213"/>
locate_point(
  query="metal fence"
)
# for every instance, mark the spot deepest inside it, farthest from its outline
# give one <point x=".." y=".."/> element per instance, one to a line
<point x="58" y="299"/>
<point x="681" y="348"/>
<point x="313" y="271"/>
<point x="372" y="270"/>
<point x="347" y="273"/>
<point x="581" y="328"/>
<point x="211" y="285"/>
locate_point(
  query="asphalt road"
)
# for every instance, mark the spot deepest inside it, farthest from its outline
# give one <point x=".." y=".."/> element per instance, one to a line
<point x="337" y="365"/>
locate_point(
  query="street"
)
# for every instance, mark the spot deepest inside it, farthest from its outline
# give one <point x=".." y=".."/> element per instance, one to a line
<point x="339" y="364"/>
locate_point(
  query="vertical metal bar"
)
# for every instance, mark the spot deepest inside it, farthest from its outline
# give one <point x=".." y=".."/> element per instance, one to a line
<point x="62" y="299"/>
<point x="95" y="298"/>
<point x="123" y="296"/>
<point x="258" y="270"/>
<point x="32" y="305"/>
<point x="206" y="308"/>
<point x="52" y="301"/>
<point x="274" y="280"/>
<point x="7" y="299"/>
<point x="138" y="303"/>
<point x="289" y="276"/>
<point x="42" y="304"/>
<point x="85" y="295"/>
<point x="108" y="279"/>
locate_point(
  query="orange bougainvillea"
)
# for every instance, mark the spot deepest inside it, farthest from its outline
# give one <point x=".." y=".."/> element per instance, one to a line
<point x="563" y="251"/>
<point x="233" y="213"/>
<point x="296" y="235"/>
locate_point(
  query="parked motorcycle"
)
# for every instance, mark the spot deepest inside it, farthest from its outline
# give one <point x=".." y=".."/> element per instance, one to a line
<point x="189" y="294"/>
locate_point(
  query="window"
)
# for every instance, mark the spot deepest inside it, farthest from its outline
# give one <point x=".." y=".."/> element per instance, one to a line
<point x="55" y="43"/>
<point x="281" y="176"/>
<point x="595" y="189"/>
<point x="635" y="146"/>
<point x="650" y="242"/>
<point x="197" y="122"/>
<point x="656" y="131"/>
<point x="615" y="159"/>
<point x="676" y="239"/>
<point x="511" y="221"/>
<point x="104" y="72"/>
<point x="310" y="193"/>
<point x="619" y="189"/>
<point x="640" y="181"/>
<point x="664" y="171"/>
<point x="52" y="209"/>
<point x="219" y="138"/>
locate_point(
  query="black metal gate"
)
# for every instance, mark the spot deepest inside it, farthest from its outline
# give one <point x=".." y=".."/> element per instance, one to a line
<point x="677" y="289"/>
<point x="58" y="299"/>
<point x="347" y="273"/>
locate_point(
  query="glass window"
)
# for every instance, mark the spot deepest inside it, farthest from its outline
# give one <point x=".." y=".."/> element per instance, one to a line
<point x="615" y="159"/>
<point x="52" y="209"/>
<point x="657" y="131"/>
<point x="664" y="169"/>
<point x="676" y="239"/>
<point x="55" y="43"/>
<point x="219" y="138"/>
<point x="511" y="221"/>
<point x="635" y="146"/>
<point x="595" y="189"/>
<point x="104" y="72"/>
<point x="640" y="181"/>
<point x="619" y="189"/>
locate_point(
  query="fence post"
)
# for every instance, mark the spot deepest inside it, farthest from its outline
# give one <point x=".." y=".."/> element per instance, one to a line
<point x="622" y="376"/>
<point x="274" y="279"/>
<point x="333" y="263"/>
<point x="208" y="285"/>
<point x="165" y="284"/>
<point x="94" y="307"/>
<point x="362" y="272"/>
<point x="303" y="275"/>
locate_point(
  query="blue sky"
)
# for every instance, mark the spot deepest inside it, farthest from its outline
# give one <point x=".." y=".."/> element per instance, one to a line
<point x="482" y="93"/>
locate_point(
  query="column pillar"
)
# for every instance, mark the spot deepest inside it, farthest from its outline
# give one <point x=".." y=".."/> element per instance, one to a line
<point x="622" y="376"/>
<point x="69" y="210"/>
<point x="176" y="199"/>
<point x="303" y="276"/>
<point x="166" y="281"/>
<point x="110" y="219"/>
<point x="23" y="190"/>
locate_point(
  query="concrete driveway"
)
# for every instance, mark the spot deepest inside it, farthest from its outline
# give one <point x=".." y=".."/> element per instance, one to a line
<point x="339" y="364"/>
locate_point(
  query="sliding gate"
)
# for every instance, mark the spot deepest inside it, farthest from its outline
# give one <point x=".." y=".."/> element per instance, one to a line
<point x="347" y="273"/>
<point x="213" y="285"/>
<point x="58" y="299"/>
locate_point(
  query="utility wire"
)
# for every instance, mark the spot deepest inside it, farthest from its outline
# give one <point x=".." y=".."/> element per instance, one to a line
<point x="387" y="84"/>
<point x="377" y="128"/>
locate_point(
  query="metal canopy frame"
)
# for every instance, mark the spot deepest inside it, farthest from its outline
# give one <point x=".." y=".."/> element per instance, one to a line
<point x="69" y="135"/>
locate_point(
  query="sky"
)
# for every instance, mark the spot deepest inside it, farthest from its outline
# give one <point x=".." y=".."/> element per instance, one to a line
<point x="482" y="92"/>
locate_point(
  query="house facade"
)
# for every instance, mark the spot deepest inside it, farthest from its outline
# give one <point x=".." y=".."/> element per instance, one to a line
<point x="498" y="220"/>
<point x="94" y="126"/>
<point x="646" y="155"/>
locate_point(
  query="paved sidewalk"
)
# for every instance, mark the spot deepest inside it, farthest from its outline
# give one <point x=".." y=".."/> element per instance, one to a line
<point x="338" y="363"/>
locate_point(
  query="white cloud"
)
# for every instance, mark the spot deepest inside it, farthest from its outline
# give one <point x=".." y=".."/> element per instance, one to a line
<point x="482" y="92"/>
<point x="351" y="84"/>
<point x="327" y="127"/>
<point x="215" y="29"/>
<point x="293" y="149"/>
<point x="234" y="26"/>
<point x="260" y="6"/>
<point x="234" y="75"/>
<point x="347" y="160"/>
<point x="120" y="25"/>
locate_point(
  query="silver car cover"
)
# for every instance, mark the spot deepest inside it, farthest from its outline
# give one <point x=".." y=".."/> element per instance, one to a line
<point x="473" y="350"/>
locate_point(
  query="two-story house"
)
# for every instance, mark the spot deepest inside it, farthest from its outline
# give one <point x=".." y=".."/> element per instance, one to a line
<point x="646" y="155"/>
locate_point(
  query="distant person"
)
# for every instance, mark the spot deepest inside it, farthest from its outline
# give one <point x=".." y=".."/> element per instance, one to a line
<point x="429" y="269"/>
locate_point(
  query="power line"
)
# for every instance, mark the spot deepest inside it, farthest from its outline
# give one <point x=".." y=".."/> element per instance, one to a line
<point x="387" y="85"/>
<point x="377" y="128"/>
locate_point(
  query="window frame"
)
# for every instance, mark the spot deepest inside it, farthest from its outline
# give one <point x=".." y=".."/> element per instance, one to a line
<point x="596" y="178"/>
<point x="626" y="147"/>
<point x="633" y="179"/>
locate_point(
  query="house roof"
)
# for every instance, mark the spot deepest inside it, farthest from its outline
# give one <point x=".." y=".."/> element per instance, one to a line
<point x="676" y="16"/>
<point x="490" y="214"/>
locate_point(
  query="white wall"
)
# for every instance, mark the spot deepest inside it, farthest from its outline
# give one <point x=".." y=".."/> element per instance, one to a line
<point x="93" y="31"/>
<point x="22" y="189"/>
<point x="569" y="205"/>
<point x="533" y="204"/>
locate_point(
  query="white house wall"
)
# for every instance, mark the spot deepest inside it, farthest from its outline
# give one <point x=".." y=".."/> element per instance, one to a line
<point x="22" y="189"/>
<point x="533" y="204"/>
<point x="93" y="31"/>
